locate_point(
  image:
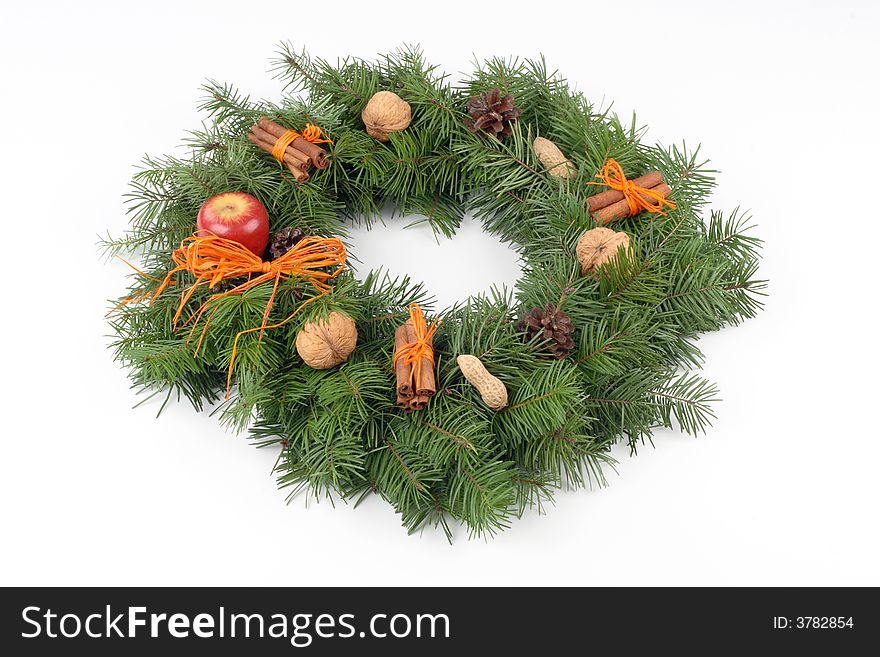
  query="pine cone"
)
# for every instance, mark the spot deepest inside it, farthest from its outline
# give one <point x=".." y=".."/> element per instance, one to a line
<point x="493" y="113"/>
<point x="553" y="325"/>
<point x="283" y="241"/>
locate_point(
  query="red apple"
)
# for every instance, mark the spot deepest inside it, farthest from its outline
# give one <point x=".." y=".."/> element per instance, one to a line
<point x="236" y="216"/>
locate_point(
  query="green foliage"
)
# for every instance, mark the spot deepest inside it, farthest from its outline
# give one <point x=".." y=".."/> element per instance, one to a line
<point x="339" y="431"/>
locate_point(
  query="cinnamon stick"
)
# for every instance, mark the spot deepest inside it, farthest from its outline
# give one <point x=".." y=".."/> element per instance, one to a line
<point x="620" y="209"/>
<point x="271" y="127"/>
<point x="299" y="156"/>
<point x="300" y="175"/>
<point x="610" y="196"/>
<point x="428" y="387"/>
<point x="403" y="336"/>
<point x="317" y="155"/>
<point x="418" y="403"/>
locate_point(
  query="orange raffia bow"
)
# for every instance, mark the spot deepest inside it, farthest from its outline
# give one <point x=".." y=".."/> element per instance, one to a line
<point x="612" y="176"/>
<point x="310" y="133"/>
<point x="413" y="352"/>
<point x="210" y="259"/>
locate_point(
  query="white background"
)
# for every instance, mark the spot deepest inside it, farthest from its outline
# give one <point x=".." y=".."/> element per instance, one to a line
<point x="782" y="490"/>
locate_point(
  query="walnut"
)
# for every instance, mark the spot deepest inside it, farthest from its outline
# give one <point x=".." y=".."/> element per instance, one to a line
<point x="325" y="343"/>
<point x="599" y="246"/>
<point x="386" y="112"/>
<point x="551" y="157"/>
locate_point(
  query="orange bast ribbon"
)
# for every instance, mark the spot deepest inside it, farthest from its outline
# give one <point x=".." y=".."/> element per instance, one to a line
<point x="612" y="176"/>
<point x="310" y="133"/>
<point x="211" y="259"/>
<point x="413" y="352"/>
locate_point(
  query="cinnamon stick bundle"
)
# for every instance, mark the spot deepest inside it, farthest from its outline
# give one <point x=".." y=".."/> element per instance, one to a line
<point x="299" y="155"/>
<point x="611" y="204"/>
<point x="610" y="196"/>
<point x="291" y="153"/>
<point x="296" y="166"/>
<point x="409" y="397"/>
<point x="620" y="209"/>
<point x="316" y="155"/>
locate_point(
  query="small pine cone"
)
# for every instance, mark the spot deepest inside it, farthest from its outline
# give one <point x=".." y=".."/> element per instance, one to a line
<point x="493" y="113"/>
<point x="283" y="241"/>
<point x="554" y="327"/>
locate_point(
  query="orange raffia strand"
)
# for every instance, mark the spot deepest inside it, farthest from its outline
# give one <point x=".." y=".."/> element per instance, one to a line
<point x="413" y="352"/>
<point x="210" y="259"/>
<point x="612" y="176"/>
<point x="282" y="143"/>
<point x="310" y="133"/>
<point x="314" y="134"/>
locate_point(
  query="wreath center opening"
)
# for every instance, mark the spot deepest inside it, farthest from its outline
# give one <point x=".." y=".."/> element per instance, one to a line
<point x="471" y="262"/>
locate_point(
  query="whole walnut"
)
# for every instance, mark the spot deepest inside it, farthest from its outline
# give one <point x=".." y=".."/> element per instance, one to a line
<point x="598" y="246"/>
<point x="386" y="112"/>
<point x="326" y="343"/>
